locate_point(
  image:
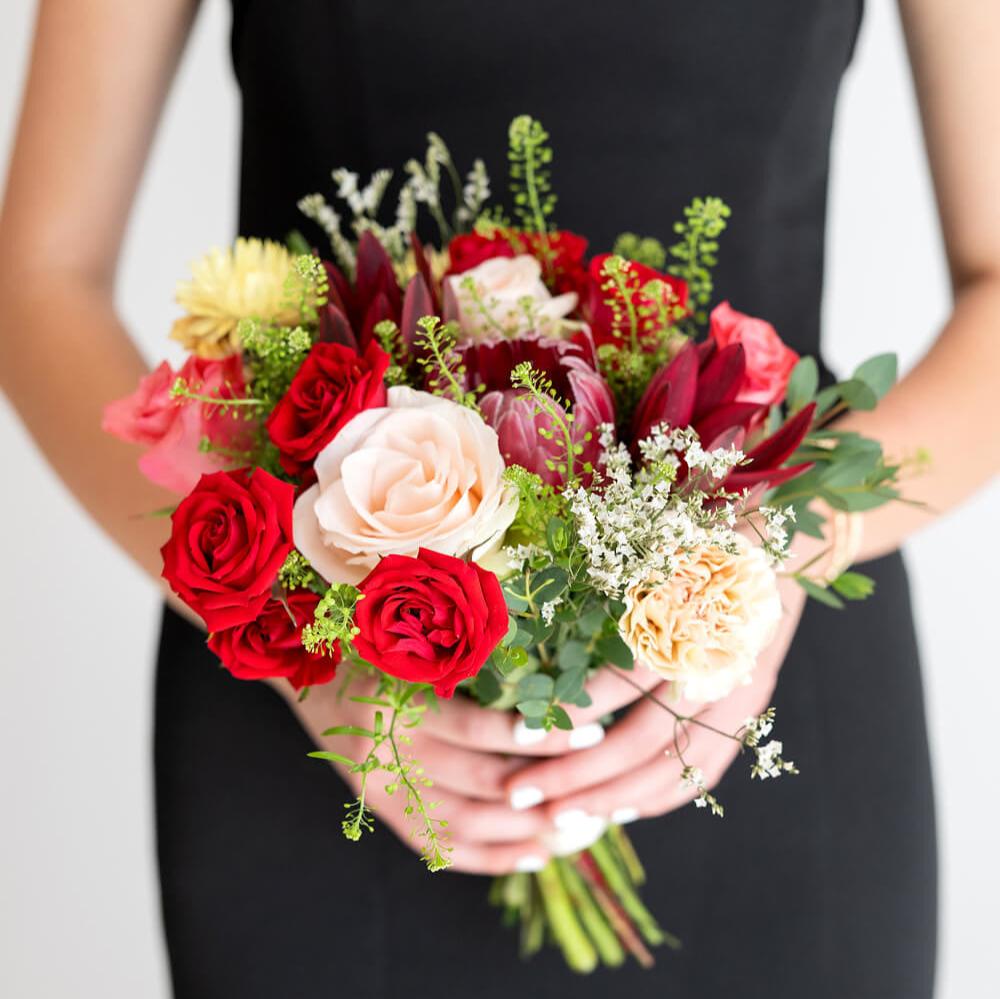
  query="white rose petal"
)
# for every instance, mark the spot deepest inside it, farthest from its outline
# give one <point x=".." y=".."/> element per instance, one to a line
<point x="420" y="472"/>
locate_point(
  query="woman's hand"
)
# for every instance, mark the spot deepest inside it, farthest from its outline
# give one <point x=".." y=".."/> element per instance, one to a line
<point x="472" y="754"/>
<point x="635" y="772"/>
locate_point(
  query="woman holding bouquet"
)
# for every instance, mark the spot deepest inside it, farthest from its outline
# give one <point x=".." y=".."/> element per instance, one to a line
<point x="822" y="887"/>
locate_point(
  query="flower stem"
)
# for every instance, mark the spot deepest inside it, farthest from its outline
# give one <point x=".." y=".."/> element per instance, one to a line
<point x="592" y="915"/>
<point x="569" y="934"/>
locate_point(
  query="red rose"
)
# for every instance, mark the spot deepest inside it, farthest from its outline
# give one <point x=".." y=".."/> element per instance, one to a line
<point x="271" y="644"/>
<point x="769" y="362"/>
<point x="602" y="317"/>
<point x="560" y="253"/>
<point x="429" y="618"/>
<point x="334" y="384"/>
<point x="230" y="536"/>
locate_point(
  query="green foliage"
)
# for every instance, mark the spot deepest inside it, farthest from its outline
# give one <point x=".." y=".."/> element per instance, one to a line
<point x="333" y="619"/>
<point x="436" y="354"/>
<point x="854" y="585"/>
<point x="529" y="157"/>
<point x="558" y="424"/>
<point x="298" y="574"/>
<point x="398" y="699"/>
<point x="391" y="341"/>
<point x="274" y="354"/>
<point x="642" y="249"/>
<point x="695" y="252"/>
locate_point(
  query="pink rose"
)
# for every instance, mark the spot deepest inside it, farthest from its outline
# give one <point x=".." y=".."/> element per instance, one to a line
<point x="172" y="429"/>
<point x="768" y="361"/>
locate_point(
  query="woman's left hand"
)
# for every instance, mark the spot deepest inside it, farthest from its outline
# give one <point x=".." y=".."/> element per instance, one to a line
<point x="635" y="772"/>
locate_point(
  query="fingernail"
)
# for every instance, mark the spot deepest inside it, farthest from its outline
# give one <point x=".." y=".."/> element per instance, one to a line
<point x="529" y="864"/>
<point x="525" y="736"/>
<point x="623" y="816"/>
<point x="586" y="736"/>
<point x="570" y="818"/>
<point x="525" y="797"/>
<point x="576" y="831"/>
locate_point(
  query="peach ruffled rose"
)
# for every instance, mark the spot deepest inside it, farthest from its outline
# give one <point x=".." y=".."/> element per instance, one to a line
<point x="510" y="299"/>
<point x="704" y="626"/>
<point x="419" y="472"/>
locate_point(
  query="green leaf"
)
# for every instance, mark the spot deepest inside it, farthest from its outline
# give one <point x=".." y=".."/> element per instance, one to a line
<point x="488" y="687"/>
<point x="573" y="654"/>
<point x="549" y="584"/>
<point x="363" y="733"/>
<point x="323" y="754"/>
<point x="536" y="687"/>
<point x="826" y="398"/>
<point x="611" y="649"/>
<point x="854" y="585"/>
<point x="533" y="709"/>
<point x="878" y="373"/>
<point x="569" y="684"/>
<point x="858" y="394"/>
<point x="515" y="595"/>
<point x="557" y="535"/>
<point x="802" y="384"/>
<point x="817" y="592"/>
<point x="591" y="621"/>
<point x="560" y="719"/>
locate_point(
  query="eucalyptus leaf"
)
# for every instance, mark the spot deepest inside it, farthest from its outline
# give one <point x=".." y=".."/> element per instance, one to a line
<point x="611" y="649"/>
<point x="802" y="384"/>
<point x="533" y="709"/>
<point x="560" y="719"/>
<point x="858" y="394"/>
<point x="536" y="687"/>
<point x="572" y="654"/>
<point x="878" y="373"/>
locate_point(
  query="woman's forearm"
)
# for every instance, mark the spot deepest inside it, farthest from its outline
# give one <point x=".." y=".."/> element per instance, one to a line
<point x="63" y="355"/>
<point x="947" y="407"/>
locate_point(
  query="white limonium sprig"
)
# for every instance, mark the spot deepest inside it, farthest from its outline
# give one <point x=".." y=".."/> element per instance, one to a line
<point x="693" y="777"/>
<point x="768" y="761"/>
<point x="637" y="521"/>
<point x="316" y="208"/>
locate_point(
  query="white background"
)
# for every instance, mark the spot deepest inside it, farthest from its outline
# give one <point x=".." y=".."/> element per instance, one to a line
<point x="78" y="898"/>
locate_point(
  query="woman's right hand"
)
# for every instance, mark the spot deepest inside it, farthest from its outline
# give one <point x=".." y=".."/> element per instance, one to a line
<point x="470" y="753"/>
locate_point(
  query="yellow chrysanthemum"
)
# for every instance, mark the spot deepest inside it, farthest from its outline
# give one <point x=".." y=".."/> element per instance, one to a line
<point x="246" y="281"/>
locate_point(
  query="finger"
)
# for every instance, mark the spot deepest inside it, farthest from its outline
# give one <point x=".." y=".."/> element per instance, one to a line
<point x="642" y="734"/>
<point x="482" y="776"/>
<point x="476" y="858"/>
<point x="654" y="788"/>
<point x="462" y="722"/>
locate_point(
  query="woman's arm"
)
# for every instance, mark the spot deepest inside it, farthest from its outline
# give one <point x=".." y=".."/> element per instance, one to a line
<point x="99" y="73"/>
<point x="948" y="403"/>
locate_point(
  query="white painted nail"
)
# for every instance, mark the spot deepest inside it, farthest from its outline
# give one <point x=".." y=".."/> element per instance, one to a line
<point x="525" y="736"/>
<point x="529" y="864"/>
<point x="571" y="818"/>
<point x="578" y="831"/>
<point x="525" y="797"/>
<point x="623" y="816"/>
<point x="586" y="736"/>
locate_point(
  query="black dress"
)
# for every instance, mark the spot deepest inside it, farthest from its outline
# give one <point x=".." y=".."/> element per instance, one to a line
<point x="812" y="887"/>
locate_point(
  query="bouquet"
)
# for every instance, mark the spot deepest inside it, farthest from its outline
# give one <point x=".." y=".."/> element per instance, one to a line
<point x="491" y="470"/>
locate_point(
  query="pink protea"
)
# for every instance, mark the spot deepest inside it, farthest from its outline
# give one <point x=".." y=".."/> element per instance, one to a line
<point x="570" y="366"/>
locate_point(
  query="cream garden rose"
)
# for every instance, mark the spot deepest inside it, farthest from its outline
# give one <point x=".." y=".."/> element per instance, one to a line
<point x="510" y="298"/>
<point x="704" y="626"/>
<point x="420" y="472"/>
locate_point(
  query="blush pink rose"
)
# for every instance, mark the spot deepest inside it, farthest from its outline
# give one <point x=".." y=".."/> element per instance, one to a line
<point x="172" y="429"/>
<point x="768" y="361"/>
